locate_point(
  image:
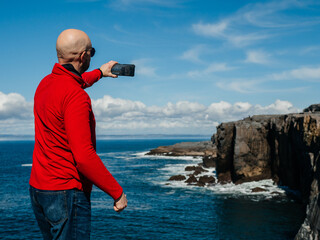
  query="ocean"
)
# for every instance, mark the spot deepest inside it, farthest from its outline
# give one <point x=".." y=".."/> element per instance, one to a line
<point x="157" y="208"/>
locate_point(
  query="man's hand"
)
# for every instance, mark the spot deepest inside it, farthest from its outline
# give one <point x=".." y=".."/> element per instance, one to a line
<point x="106" y="69"/>
<point x="121" y="203"/>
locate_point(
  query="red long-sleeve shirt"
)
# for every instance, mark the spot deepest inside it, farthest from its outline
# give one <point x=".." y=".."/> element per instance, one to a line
<point x="64" y="155"/>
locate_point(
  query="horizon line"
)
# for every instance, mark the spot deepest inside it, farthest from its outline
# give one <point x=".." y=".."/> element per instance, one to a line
<point x="30" y="137"/>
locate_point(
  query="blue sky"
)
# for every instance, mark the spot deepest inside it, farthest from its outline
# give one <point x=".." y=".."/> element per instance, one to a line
<point x="198" y="63"/>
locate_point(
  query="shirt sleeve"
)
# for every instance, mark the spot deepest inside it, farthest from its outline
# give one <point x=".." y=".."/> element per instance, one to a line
<point x="91" y="77"/>
<point x="78" y="116"/>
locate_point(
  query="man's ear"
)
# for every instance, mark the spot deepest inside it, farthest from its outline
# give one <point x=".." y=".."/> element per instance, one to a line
<point x="82" y="56"/>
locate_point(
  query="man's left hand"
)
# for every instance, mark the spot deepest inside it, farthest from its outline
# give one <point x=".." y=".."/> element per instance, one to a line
<point x="106" y="69"/>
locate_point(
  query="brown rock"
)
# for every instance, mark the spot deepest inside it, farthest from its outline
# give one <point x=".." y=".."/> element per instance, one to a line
<point x="253" y="178"/>
<point x="177" y="178"/>
<point x="251" y="157"/>
<point x="224" y="178"/>
<point x="190" y="168"/>
<point x="209" y="162"/>
<point x="200" y="184"/>
<point x="199" y="170"/>
<point x="191" y="179"/>
<point x="258" y="189"/>
<point x="186" y="149"/>
<point x="224" y="142"/>
<point x="207" y="179"/>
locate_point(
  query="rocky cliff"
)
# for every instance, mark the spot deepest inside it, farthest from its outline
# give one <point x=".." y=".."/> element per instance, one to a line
<point x="204" y="149"/>
<point x="195" y="149"/>
<point x="283" y="147"/>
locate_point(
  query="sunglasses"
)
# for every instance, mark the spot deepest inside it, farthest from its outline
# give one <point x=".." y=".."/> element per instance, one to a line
<point x="92" y="51"/>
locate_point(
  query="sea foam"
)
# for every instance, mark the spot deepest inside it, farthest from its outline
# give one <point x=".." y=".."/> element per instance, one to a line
<point x="26" y="165"/>
<point x="268" y="189"/>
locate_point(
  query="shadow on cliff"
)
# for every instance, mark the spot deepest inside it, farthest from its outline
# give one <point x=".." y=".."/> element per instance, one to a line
<point x="282" y="147"/>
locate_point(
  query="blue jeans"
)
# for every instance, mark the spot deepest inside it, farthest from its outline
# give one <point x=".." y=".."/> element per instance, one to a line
<point x="62" y="214"/>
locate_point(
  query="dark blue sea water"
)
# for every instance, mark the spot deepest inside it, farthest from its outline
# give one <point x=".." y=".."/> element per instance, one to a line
<point x="156" y="208"/>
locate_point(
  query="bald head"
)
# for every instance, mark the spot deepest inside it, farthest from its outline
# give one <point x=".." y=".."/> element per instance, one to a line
<point x="70" y="43"/>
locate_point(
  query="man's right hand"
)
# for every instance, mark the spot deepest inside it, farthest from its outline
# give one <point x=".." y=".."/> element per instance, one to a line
<point x="121" y="203"/>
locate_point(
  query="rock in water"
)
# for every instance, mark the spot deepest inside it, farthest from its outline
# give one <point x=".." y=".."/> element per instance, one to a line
<point x="194" y="149"/>
<point x="190" y="168"/>
<point x="177" y="178"/>
<point x="191" y="179"/>
<point x="209" y="161"/>
<point x="258" y="189"/>
<point x="207" y="179"/>
<point x="199" y="170"/>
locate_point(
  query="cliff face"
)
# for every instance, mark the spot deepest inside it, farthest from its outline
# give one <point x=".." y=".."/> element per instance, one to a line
<point x="283" y="147"/>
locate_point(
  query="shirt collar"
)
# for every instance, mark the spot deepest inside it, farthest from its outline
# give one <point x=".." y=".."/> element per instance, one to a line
<point x="71" y="68"/>
<point x="61" y="70"/>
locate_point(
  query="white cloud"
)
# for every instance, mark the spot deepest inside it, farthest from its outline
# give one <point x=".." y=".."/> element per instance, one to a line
<point x="221" y="31"/>
<point x="115" y="107"/>
<point x="144" y="68"/>
<point x="258" y="57"/>
<point x="182" y="108"/>
<point x="278" y="107"/>
<point x="193" y="54"/>
<point x="14" y="106"/>
<point x="82" y="1"/>
<point x="17" y="126"/>
<point x="132" y="4"/>
<point x="302" y="73"/>
<point x="16" y="116"/>
<point x="212" y="68"/>
<point x="119" y="115"/>
<point x="269" y="14"/>
<point x="306" y="73"/>
<point x="241" y="40"/>
<point x="256" y="22"/>
<point x="310" y="50"/>
<point x="240" y="85"/>
<point x="258" y="84"/>
<point x="211" y="30"/>
<point x="217" y="67"/>
<point x="224" y="111"/>
<point x="123" y="116"/>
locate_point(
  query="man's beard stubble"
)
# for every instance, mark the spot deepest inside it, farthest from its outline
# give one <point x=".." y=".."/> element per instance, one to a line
<point x="85" y="66"/>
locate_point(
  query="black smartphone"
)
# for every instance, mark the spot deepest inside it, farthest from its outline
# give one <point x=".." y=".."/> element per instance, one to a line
<point x="123" y="69"/>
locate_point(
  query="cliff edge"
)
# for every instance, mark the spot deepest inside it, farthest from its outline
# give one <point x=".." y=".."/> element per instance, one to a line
<point x="195" y="149"/>
<point x="283" y="147"/>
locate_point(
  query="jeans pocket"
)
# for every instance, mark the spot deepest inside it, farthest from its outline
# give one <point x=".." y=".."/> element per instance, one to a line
<point x="54" y="205"/>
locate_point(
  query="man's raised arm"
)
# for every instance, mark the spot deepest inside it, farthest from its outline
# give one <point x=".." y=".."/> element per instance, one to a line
<point x="93" y="76"/>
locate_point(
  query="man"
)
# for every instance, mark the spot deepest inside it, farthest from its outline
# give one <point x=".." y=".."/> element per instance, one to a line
<point x="65" y="162"/>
